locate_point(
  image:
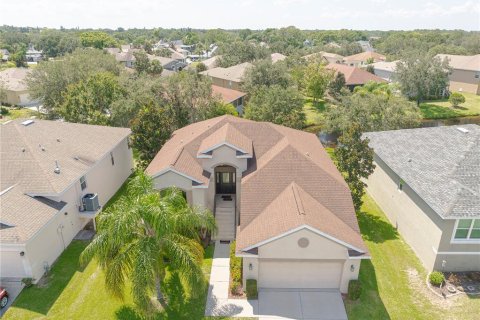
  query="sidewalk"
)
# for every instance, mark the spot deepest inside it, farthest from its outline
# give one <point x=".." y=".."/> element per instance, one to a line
<point x="218" y="303"/>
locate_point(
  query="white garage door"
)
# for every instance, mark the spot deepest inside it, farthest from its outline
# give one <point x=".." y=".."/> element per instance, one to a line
<point x="300" y="274"/>
<point x="11" y="265"/>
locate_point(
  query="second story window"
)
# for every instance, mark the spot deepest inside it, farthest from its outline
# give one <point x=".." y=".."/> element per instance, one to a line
<point x="83" y="183"/>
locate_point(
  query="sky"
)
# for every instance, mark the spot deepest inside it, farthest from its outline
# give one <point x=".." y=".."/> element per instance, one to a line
<point x="237" y="14"/>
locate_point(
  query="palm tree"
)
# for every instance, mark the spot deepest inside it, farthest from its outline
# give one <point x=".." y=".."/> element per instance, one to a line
<point x="142" y="234"/>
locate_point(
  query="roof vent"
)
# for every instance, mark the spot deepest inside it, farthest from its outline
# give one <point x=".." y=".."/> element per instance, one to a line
<point x="307" y="154"/>
<point x="462" y="129"/>
<point x="58" y="139"/>
<point x="23" y="149"/>
<point x="41" y="147"/>
<point x="57" y="168"/>
<point x="27" y="122"/>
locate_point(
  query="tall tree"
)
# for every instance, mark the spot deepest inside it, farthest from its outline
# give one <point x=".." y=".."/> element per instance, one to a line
<point x="278" y="105"/>
<point x="89" y="101"/>
<point x="372" y="112"/>
<point x="97" y="39"/>
<point x="422" y="77"/>
<point x="316" y="80"/>
<point x="266" y="73"/>
<point x="142" y="235"/>
<point x="239" y="52"/>
<point x="337" y="84"/>
<point x="354" y="158"/>
<point x="151" y="128"/>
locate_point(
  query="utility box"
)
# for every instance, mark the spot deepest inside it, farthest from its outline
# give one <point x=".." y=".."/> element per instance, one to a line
<point x="90" y="202"/>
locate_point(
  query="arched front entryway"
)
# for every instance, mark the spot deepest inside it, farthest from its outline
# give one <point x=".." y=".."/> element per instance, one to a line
<point x="225" y="180"/>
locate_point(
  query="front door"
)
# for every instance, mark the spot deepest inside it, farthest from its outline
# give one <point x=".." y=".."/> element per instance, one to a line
<point x="225" y="182"/>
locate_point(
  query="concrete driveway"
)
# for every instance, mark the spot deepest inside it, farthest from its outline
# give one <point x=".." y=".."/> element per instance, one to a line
<point x="13" y="287"/>
<point x="301" y="304"/>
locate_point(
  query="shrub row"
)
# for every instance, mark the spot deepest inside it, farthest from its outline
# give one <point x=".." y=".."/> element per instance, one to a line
<point x="235" y="270"/>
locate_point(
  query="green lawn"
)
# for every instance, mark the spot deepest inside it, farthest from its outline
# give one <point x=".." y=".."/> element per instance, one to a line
<point x="313" y="112"/>
<point x="441" y="109"/>
<point x="18" y="113"/>
<point x="387" y="293"/>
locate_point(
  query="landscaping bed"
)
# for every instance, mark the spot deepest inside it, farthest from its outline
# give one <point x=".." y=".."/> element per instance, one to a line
<point x="235" y="288"/>
<point x="457" y="283"/>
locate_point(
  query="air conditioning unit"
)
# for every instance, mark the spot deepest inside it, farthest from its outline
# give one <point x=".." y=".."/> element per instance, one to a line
<point x="90" y="202"/>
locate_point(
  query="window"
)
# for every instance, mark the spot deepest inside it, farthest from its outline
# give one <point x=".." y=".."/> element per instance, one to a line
<point x="467" y="229"/>
<point x="111" y="157"/>
<point x="477" y="75"/>
<point x="83" y="183"/>
<point x="225" y="177"/>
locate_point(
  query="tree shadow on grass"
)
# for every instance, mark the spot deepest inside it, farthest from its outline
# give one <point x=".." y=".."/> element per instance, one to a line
<point x="41" y="297"/>
<point x="370" y="304"/>
<point x="376" y="229"/>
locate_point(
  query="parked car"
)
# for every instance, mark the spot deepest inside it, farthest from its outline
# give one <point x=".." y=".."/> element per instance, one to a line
<point x="3" y="298"/>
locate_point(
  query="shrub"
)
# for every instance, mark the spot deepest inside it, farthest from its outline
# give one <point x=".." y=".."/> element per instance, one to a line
<point x="354" y="289"/>
<point x="235" y="270"/>
<point x="3" y="111"/>
<point x="436" y="278"/>
<point x="252" y="292"/>
<point x="456" y="99"/>
<point x="28" y="282"/>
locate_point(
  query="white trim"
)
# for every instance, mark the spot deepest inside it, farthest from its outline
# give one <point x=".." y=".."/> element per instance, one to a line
<point x="360" y="258"/>
<point x="169" y="169"/>
<point x="464" y="241"/>
<point x="246" y="255"/>
<point x="304" y="226"/>
<point x="455" y="252"/>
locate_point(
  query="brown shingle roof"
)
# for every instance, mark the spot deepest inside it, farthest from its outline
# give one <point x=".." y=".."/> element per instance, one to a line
<point x="14" y="79"/>
<point x="353" y="75"/>
<point x="226" y="94"/>
<point x="364" y="56"/>
<point x="233" y="73"/>
<point x="28" y="153"/>
<point x="281" y="156"/>
<point x="227" y="134"/>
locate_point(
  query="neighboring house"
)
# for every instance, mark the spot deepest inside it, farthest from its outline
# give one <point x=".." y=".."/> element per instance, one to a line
<point x="327" y="57"/>
<point x="126" y="58"/>
<point x="231" y="77"/>
<point x="362" y="59"/>
<point x="169" y="64"/>
<point x="12" y="80"/>
<point x="354" y="76"/>
<point x="427" y="181"/>
<point x="385" y="70"/>
<point x="212" y="62"/>
<point x="234" y="97"/>
<point x="365" y="45"/>
<point x="465" y="75"/>
<point x="33" y="55"/>
<point x="5" y="54"/>
<point x="277" y="57"/>
<point x="55" y="178"/>
<point x="276" y="192"/>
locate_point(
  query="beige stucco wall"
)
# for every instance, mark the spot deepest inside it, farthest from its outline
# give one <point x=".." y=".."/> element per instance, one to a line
<point x="226" y="83"/>
<point x="17" y="97"/>
<point x="421" y="227"/>
<point x="464" y="81"/>
<point x="50" y="241"/>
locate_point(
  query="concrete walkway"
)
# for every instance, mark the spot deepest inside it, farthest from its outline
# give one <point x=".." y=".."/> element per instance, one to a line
<point x="271" y="303"/>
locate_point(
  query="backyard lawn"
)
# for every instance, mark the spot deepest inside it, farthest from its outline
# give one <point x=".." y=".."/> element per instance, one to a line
<point x="394" y="279"/>
<point x="18" y="113"/>
<point x="313" y="111"/>
<point x="441" y="109"/>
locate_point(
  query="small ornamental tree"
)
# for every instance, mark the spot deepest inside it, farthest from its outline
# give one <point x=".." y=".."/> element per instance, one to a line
<point x="456" y="99"/>
<point x="355" y="161"/>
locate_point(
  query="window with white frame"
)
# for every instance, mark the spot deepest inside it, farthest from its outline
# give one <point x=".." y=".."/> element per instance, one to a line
<point x="467" y="229"/>
<point x="83" y="183"/>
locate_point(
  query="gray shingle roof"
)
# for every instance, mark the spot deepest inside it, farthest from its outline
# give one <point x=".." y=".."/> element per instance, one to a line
<point x="442" y="165"/>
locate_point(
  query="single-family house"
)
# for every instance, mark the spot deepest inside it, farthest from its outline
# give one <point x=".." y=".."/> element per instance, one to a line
<point x="465" y="74"/>
<point x="354" y="76"/>
<point x="212" y="62"/>
<point x="12" y="81"/>
<point x="168" y="63"/>
<point x="326" y="57"/>
<point x="427" y="181"/>
<point x="365" y="45"/>
<point x="385" y="70"/>
<point x="56" y="176"/>
<point x="33" y="55"/>
<point x="231" y="77"/>
<point x="4" y="54"/>
<point x="234" y="97"/>
<point x="362" y="59"/>
<point x="276" y="192"/>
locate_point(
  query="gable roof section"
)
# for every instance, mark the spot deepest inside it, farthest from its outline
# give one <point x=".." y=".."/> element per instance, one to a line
<point x="470" y="63"/>
<point x="364" y="56"/>
<point x="29" y="153"/>
<point x="353" y="75"/>
<point x="226" y="135"/>
<point x="233" y="73"/>
<point x="441" y="164"/>
<point x="295" y="208"/>
<point x="226" y="94"/>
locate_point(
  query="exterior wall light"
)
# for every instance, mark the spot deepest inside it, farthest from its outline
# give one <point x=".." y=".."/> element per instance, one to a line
<point x="22" y="253"/>
<point x="250" y="267"/>
<point x="352" y="268"/>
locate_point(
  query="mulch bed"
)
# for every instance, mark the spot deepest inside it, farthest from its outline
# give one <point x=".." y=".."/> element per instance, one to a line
<point x="458" y="282"/>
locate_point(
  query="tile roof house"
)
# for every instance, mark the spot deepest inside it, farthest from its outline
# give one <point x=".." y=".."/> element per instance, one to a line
<point x="276" y="192"/>
<point x="427" y="181"/>
<point x="354" y="76"/>
<point x="361" y="59"/>
<point x="12" y="80"/>
<point x="465" y="75"/>
<point x="326" y="56"/>
<point x="55" y="175"/>
<point x="385" y="70"/>
<point x="231" y="77"/>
